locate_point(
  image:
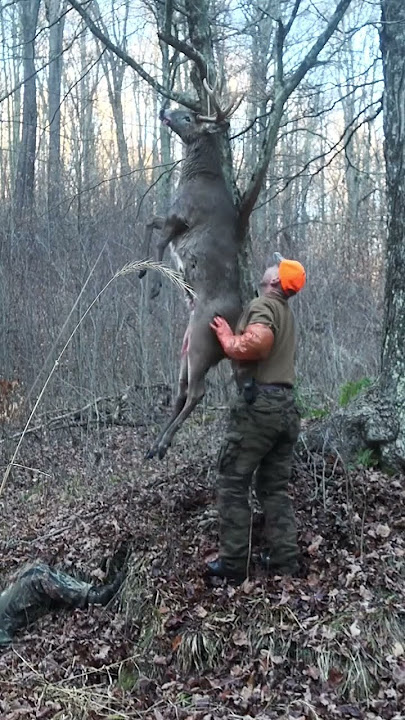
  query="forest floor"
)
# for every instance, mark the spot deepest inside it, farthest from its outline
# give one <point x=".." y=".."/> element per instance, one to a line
<point x="329" y="644"/>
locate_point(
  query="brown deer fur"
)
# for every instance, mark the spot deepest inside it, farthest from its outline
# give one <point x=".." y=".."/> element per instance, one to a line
<point x="200" y="228"/>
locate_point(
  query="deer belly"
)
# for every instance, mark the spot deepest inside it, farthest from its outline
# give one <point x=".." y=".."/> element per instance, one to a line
<point x="177" y="260"/>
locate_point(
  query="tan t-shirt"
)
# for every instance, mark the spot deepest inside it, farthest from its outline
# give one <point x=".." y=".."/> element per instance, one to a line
<point x="278" y="367"/>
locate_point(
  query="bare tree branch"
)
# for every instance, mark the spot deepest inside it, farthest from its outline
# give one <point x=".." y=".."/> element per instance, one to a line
<point x="312" y="56"/>
<point x="280" y="36"/>
<point x="345" y="136"/>
<point x="180" y="98"/>
<point x="282" y="93"/>
<point x="292" y="18"/>
<point x="187" y="50"/>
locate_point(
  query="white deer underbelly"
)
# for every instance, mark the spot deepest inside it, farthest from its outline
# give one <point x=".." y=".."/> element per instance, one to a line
<point x="177" y="260"/>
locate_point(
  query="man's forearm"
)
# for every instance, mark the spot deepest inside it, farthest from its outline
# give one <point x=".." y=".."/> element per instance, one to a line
<point x="255" y="343"/>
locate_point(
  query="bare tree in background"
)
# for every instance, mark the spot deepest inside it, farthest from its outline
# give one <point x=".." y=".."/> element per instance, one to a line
<point x="25" y="176"/>
<point x="199" y="48"/>
<point x="302" y="206"/>
<point x="114" y="69"/>
<point x="56" y="21"/>
<point x="376" y="420"/>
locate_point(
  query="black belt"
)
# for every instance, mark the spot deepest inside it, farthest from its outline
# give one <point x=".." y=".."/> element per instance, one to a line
<point x="274" y="386"/>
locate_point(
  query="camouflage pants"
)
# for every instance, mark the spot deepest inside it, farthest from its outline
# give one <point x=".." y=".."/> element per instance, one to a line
<point x="260" y="437"/>
<point x="37" y="590"/>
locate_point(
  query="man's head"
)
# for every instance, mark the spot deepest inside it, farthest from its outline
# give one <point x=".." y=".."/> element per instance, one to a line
<point x="285" y="275"/>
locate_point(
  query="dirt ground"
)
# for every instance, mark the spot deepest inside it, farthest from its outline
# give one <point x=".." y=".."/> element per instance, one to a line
<point x="329" y="644"/>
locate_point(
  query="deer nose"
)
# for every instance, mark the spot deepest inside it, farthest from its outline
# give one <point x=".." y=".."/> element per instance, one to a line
<point x="165" y="117"/>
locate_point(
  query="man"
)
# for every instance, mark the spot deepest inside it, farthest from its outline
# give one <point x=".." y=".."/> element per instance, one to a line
<point x="263" y="427"/>
<point x="40" y="589"/>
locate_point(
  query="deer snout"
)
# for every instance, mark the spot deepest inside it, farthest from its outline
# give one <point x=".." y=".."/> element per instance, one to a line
<point x="164" y="116"/>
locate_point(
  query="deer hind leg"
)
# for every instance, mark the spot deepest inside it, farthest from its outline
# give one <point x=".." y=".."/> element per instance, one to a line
<point x="180" y="398"/>
<point x="195" y="393"/>
<point x="203" y="353"/>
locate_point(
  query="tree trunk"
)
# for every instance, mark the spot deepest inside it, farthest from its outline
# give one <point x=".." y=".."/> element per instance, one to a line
<point x="201" y="39"/>
<point x="25" y="176"/>
<point x="56" y="22"/>
<point x="114" y="69"/>
<point x="165" y="19"/>
<point x="393" y="358"/>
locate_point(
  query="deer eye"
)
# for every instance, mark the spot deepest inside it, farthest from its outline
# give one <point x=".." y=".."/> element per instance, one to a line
<point x="187" y="118"/>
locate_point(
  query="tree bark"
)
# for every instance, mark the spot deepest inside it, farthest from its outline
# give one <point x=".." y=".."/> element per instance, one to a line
<point x="165" y="18"/>
<point x="201" y="39"/>
<point x="25" y="176"/>
<point x="56" y="22"/>
<point x="114" y="68"/>
<point x="393" y="356"/>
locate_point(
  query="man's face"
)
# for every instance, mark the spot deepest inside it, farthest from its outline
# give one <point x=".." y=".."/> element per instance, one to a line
<point x="269" y="280"/>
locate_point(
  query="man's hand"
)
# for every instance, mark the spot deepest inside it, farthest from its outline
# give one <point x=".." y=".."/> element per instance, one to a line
<point x="221" y="328"/>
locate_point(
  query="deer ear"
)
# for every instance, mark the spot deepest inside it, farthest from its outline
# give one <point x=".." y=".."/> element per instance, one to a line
<point x="220" y="127"/>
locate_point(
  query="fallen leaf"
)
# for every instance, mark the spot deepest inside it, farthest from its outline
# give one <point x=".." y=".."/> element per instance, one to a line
<point x="335" y="677"/>
<point x="176" y="642"/>
<point x="351" y="711"/>
<point x="315" y="544"/>
<point x="159" y="660"/>
<point x="247" y="586"/>
<point x="200" y="611"/>
<point x="382" y="530"/>
<point x="239" y="638"/>
<point x="103" y="652"/>
<point x="313" y="672"/>
<point x="354" y="629"/>
<point x="328" y="632"/>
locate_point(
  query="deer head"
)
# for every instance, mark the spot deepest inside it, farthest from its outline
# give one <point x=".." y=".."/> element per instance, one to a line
<point x="189" y="125"/>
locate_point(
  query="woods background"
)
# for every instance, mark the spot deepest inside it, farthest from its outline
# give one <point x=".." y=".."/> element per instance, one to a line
<point x="85" y="162"/>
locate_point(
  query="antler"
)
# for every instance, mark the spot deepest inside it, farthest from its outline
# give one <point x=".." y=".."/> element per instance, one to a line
<point x="222" y="113"/>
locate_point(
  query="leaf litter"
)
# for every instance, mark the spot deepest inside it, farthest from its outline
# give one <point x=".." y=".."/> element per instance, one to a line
<point x="328" y="644"/>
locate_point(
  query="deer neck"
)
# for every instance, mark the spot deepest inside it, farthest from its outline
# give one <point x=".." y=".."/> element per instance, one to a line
<point x="202" y="158"/>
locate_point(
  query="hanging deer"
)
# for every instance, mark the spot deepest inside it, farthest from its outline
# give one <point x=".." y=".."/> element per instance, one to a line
<point x="201" y="230"/>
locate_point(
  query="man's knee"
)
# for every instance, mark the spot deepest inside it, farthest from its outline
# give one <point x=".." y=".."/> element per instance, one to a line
<point x="232" y="489"/>
<point x="273" y="479"/>
<point x="229" y="453"/>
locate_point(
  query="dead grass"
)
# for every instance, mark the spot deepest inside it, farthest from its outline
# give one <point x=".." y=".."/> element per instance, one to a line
<point x="176" y="648"/>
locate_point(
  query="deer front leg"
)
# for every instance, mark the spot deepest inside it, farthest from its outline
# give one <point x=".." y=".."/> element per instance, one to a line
<point x="173" y="227"/>
<point x="156" y="223"/>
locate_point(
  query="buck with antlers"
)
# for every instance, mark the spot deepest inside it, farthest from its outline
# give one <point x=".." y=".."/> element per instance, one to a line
<point x="201" y="229"/>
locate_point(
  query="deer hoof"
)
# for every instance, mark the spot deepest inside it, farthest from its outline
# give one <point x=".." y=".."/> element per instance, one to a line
<point x="162" y="451"/>
<point x="159" y="450"/>
<point x="142" y="273"/>
<point x="151" y="453"/>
